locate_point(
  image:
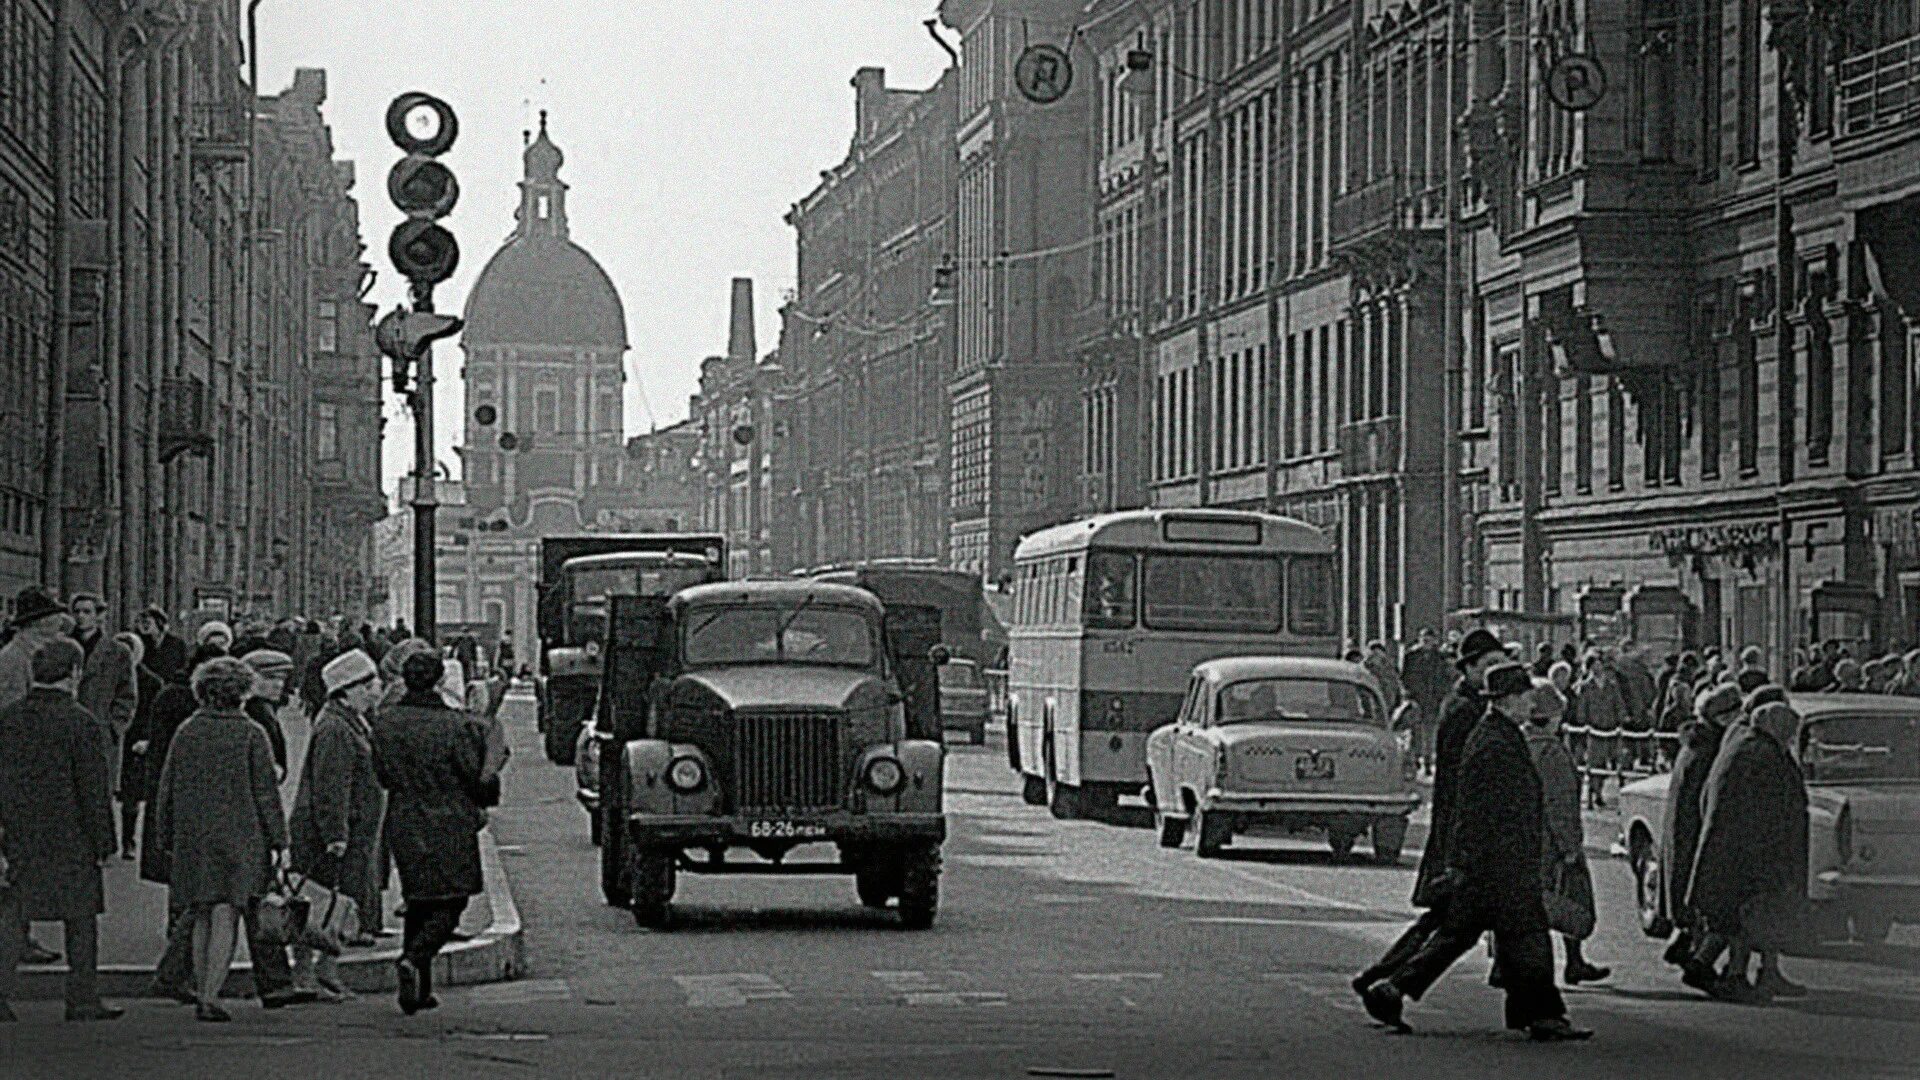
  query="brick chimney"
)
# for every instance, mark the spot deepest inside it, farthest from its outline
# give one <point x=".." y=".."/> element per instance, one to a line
<point x="740" y="341"/>
<point x="869" y="91"/>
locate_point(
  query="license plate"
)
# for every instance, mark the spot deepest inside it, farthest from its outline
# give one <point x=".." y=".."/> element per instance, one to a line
<point x="786" y="830"/>
<point x="1313" y="767"/>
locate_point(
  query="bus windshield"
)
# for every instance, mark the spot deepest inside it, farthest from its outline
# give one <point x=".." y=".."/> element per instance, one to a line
<point x="794" y="635"/>
<point x="1215" y="593"/>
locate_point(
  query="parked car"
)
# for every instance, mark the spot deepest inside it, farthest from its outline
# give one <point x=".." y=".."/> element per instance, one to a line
<point x="1289" y="743"/>
<point x="1861" y="756"/>
<point x="963" y="699"/>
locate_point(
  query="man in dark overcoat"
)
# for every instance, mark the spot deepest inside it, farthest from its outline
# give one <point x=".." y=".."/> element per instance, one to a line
<point x="58" y="821"/>
<point x="1700" y="740"/>
<point x="1480" y="652"/>
<point x="1753" y="848"/>
<point x="109" y="688"/>
<point x="1492" y="875"/>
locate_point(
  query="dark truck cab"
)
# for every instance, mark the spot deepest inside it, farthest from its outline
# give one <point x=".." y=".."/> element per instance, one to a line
<point x="577" y="576"/>
<point x="756" y="717"/>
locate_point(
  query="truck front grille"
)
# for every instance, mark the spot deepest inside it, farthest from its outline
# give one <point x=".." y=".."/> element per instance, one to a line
<point x="790" y="762"/>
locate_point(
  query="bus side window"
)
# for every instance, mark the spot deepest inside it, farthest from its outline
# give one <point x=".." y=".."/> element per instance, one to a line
<point x="1075" y="586"/>
<point x="1109" y="590"/>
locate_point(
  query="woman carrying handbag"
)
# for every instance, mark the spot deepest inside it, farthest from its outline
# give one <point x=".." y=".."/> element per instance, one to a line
<point x="337" y="812"/>
<point x="1567" y="884"/>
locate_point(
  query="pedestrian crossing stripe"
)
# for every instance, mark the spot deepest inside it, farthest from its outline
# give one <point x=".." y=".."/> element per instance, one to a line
<point x="919" y="988"/>
<point x="730" y="991"/>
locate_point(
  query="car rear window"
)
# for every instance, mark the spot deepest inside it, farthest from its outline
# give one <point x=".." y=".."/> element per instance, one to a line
<point x="1309" y="700"/>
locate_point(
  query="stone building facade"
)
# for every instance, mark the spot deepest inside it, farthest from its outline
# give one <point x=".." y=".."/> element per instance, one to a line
<point x="733" y="419"/>
<point x="863" y="416"/>
<point x="135" y="382"/>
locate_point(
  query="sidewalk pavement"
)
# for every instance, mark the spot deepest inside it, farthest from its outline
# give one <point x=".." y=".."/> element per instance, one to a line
<point x="133" y="930"/>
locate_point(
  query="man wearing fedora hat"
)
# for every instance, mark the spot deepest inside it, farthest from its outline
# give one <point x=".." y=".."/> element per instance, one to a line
<point x="1492" y="874"/>
<point x="1480" y="652"/>
<point x="37" y="619"/>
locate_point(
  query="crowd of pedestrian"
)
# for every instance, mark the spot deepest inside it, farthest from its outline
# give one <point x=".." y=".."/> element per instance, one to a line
<point x="1505" y="853"/>
<point x="403" y="759"/>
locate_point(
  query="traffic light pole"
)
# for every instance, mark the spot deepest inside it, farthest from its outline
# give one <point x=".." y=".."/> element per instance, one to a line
<point x="426" y="501"/>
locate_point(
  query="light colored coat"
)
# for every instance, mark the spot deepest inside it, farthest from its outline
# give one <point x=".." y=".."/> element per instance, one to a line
<point x="109" y="690"/>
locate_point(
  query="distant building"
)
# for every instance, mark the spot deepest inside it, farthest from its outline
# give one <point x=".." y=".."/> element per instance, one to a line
<point x="544" y="449"/>
<point x="733" y="423"/>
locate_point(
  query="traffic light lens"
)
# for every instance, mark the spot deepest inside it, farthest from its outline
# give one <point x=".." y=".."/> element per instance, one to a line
<point x="509" y="441"/>
<point x="485" y="415"/>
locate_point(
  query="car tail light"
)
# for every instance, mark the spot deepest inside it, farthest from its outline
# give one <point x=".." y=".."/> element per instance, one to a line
<point x="1843" y="834"/>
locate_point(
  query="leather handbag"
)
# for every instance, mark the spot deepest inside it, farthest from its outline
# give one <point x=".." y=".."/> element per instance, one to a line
<point x="281" y="914"/>
<point x="1569" y="900"/>
<point x="332" y="918"/>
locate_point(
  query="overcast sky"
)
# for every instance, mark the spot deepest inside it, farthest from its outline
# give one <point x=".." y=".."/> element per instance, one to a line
<point x="689" y="127"/>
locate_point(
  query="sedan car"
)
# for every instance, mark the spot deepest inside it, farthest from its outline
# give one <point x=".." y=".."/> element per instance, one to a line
<point x="1861" y="757"/>
<point x="963" y="699"/>
<point x="1286" y="743"/>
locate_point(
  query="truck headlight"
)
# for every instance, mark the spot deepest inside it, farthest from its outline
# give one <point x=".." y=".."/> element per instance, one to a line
<point x="593" y="649"/>
<point x="885" y="776"/>
<point x="686" y="775"/>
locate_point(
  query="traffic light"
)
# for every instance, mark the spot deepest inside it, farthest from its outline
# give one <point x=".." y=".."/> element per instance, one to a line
<point x="485" y="415"/>
<point x="423" y="188"/>
<point x="403" y="337"/>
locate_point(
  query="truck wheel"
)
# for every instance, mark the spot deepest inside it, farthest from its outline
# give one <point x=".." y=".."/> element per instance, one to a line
<point x="919" y="885"/>
<point x="614" y="867"/>
<point x="652" y="879"/>
<point x="877" y="884"/>
<point x="1033" y="791"/>
<point x="1389" y="839"/>
<point x="1211" y="833"/>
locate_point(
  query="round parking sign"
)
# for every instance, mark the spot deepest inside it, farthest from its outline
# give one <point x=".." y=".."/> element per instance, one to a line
<point x="1576" y="82"/>
<point x="1043" y="73"/>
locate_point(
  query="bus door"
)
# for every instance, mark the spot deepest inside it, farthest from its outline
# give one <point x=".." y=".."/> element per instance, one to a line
<point x="912" y="632"/>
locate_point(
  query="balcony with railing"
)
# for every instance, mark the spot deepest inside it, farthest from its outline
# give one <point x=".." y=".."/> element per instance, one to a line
<point x="220" y="131"/>
<point x="1379" y="208"/>
<point x="1370" y="447"/>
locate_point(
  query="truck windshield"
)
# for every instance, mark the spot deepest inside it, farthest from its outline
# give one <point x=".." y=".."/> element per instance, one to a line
<point x="595" y="585"/>
<point x="817" y="635"/>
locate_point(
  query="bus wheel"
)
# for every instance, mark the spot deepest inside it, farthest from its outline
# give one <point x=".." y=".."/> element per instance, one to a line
<point x="1033" y="790"/>
<point x="1063" y="800"/>
<point x="652" y="882"/>
<point x="919" y="870"/>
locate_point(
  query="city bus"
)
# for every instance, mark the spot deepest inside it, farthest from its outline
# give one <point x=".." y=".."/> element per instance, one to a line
<point x="1110" y="615"/>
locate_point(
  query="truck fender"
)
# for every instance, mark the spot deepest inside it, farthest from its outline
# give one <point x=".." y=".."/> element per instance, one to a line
<point x="924" y="762"/>
<point x="646" y="762"/>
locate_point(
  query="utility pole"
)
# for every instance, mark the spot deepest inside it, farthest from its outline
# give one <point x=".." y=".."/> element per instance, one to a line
<point x="426" y="254"/>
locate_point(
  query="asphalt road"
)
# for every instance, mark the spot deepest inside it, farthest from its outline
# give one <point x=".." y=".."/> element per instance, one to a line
<point x="1079" y="947"/>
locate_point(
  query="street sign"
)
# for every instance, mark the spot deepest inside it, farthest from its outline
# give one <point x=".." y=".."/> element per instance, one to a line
<point x="1576" y="82"/>
<point x="1043" y="73"/>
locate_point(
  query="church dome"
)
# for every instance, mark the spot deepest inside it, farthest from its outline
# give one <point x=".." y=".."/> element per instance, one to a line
<point x="545" y="290"/>
<point x="541" y="288"/>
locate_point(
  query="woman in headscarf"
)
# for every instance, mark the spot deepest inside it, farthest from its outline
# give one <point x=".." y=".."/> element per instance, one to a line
<point x="431" y="759"/>
<point x="217" y="816"/>
<point x="1563" y="858"/>
<point x="136" y="783"/>
<point x="1714" y="709"/>
<point x="214" y="633"/>
<point x="1750" y="875"/>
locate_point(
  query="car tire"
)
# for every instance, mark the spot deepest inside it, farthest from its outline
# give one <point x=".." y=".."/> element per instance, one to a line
<point x="876" y="885"/>
<point x="1172" y="830"/>
<point x="1211" y="833"/>
<point x="1340" y="840"/>
<point x="1648" y="884"/>
<point x="614" y="866"/>
<point x="652" y="881"/>
<point x="1389" y="839"/>
<point x="1871" y="927"/>
<point x="1033" y="790"/>
<point x="919" y="870"/>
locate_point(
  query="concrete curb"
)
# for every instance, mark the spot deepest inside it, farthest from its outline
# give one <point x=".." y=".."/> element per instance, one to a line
<point x="497" y="954"/>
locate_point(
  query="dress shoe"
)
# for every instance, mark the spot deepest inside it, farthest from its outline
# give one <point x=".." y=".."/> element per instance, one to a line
<point x="129" y="854"/>
<point x="1700" y="976"/>
<point x="1385" y="1004"/>
<point x="99" y="1010"/>
<point x="209" y="1013"/>
<point x="1360" y="983"/>
<point x="1558" y="1029"/>
<point x="34" y="954"/>
<point x="1780" y="986"/>
<point x="280" y="999"/>
<point x="1585" y="972"/>
<point x="1680" y="949"/>
<point x="174" y="993"/>
<point x="429" y="1002"/>
<point x="409" y="979"/>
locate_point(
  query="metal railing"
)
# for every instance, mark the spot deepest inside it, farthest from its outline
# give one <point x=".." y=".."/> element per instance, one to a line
<point x="1375" y="207"/>
<point x="1620" y="755"/>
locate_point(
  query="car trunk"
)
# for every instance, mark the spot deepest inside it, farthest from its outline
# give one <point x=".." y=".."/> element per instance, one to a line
<point x="1325" y="758"/>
